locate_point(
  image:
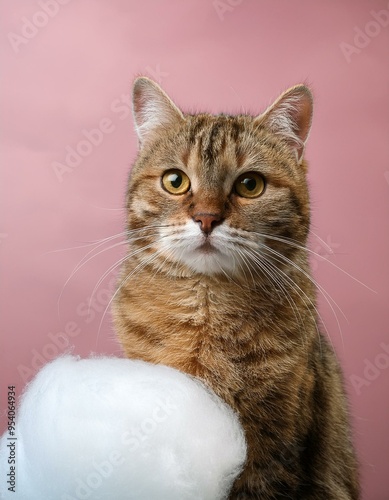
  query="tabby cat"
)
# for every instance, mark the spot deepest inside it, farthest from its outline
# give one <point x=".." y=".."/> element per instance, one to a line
<point x="216" y="283"/>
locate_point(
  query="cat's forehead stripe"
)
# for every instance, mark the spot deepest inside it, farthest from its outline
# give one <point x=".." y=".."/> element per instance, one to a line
<point x="196" y="128"/>
<point x="211" y="145"/>
<point x="224" y="140"/>
<point x="213" y="135"/>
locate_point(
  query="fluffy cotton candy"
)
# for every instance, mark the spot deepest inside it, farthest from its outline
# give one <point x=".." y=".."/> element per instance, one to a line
<point x="119" y="429"/>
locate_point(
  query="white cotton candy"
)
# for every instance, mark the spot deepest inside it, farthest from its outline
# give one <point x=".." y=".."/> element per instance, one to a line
<point x="119" y="429"/>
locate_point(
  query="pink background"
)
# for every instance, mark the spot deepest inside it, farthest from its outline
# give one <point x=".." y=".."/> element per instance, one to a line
<point x="72" y="74"/>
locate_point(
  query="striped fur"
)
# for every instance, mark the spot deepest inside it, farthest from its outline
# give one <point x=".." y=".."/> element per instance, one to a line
<point x="237" y="307"/>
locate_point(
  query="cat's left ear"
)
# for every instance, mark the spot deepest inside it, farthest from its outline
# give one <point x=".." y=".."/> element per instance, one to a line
<point x="152" y="109"/>
<point x="290" y="117"/>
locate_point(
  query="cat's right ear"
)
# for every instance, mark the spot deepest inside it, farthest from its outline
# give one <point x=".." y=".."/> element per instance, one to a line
<point x="290" y="117"/>
<point x="152" y="109"/>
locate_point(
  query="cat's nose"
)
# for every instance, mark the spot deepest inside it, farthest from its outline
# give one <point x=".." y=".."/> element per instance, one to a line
<point x="207" y="221"/>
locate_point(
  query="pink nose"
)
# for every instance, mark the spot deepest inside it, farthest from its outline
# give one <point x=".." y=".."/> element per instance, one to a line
<point x="207" y="221"/>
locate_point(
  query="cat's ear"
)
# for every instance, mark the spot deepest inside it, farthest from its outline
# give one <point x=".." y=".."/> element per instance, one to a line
<point x="290" y="117"/>
<point x="152" y="108"/>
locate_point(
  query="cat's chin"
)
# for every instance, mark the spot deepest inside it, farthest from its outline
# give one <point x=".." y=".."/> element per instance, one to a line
<point x="207" y="248"/>
<point x="208" y="260"/>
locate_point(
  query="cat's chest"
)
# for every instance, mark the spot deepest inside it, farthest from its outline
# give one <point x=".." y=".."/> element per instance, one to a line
<point x="210" y="310"/>
<point x="186" y="322"/>
<point x="205" y="330"/>
<point x="219" y="332"/>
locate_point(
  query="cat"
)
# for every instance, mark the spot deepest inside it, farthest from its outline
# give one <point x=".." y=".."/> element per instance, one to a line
<point x="216" y="283"/>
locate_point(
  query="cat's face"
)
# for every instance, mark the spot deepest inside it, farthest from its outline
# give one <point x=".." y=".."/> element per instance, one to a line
<point x="218" y="194"/>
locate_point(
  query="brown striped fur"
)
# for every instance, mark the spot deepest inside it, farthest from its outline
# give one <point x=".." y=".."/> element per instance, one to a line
<point x="238" y="312"/>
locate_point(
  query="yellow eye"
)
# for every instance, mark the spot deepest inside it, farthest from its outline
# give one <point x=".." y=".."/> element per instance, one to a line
<point x="250" y="185"/>
<point x="175" y="182"/>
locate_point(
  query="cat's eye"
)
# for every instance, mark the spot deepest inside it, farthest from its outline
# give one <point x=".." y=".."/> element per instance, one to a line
<point x="175" y="182"/>
<point x="250" y="185"/>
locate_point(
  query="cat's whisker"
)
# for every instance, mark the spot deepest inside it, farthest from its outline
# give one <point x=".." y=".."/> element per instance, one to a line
<point x="241" y="263"/>
<point x="115" y="265"/>
<point x="138" y="268"/>
<point x="174" y="265"/>
<point x="295" y="244"/>
<point x="246" y="264"/>
<point x="159" y="268"/>
<point x="91" y="255"/>
<point x="308" y="303"/>
<point x="324" y="243"/>
<point x="172" y="239"/>
<point x="283" y="259"/>
<point x="89" y="244"/>
<point x="248" y="259"/>
<point x="131" y="254"/>
<point x="291" y="242"/>
<point x="147" y="228"/>
<point x="236" y="262"/>
<point x="274" y="274"/>
<point x="326" y="295"/>
<point x="162" y="265"/>
<point x="242" y="245"/>
<point x="112" y="268"/>
<point x="224" y="272"/>
<point x="258" y="256"/>
<point x="80" y="265"/>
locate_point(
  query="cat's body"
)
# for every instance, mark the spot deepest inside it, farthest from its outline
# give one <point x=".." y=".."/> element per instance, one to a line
<point x="217" y="284"/>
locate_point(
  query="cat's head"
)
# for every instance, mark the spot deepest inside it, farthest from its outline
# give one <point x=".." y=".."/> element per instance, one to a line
<point x="218" y="194"/>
